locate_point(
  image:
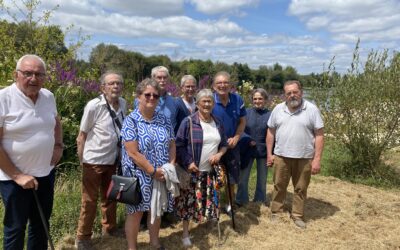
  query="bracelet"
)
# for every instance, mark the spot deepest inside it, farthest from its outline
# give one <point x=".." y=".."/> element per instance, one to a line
<point x="59" y="144"/>
<point x="154" y="172"/>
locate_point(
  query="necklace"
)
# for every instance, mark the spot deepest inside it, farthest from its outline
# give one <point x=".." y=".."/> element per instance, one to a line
<point x="205" y="120"/>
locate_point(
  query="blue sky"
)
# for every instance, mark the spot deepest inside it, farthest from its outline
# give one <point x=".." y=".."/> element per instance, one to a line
<point x="304" y="34"/>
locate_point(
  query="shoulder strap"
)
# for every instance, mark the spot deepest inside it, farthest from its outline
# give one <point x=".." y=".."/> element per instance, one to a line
<point x="191" y="135"/>
<point x="114" y="116"/>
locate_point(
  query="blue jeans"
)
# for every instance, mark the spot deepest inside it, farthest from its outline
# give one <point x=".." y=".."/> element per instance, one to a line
<point x="20" y="207"/>
<point x="242" y="196"/>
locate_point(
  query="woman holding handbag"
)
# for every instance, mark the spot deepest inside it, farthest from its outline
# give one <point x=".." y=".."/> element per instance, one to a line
<point x="148" y="143"/>
<point x="200" y="144"/>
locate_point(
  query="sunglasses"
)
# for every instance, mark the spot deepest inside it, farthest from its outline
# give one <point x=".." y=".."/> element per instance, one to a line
<point x="149" y="95"/>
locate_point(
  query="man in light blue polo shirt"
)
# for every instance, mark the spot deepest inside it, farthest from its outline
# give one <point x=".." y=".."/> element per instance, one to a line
<point x="229" y="108"/>
<point x="296" y="128"/>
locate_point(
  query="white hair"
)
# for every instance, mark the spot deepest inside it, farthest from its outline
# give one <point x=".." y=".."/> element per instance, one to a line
<point x="30" y="56"/>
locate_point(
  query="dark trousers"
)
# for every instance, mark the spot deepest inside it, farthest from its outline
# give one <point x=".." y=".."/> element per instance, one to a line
<point x="20" y="207"/>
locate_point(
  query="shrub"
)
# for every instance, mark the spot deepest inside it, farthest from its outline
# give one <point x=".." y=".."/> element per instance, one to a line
<point x="361" y="112"/>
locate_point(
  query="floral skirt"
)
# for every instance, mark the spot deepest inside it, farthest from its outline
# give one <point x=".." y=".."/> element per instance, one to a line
<point x="200" y="202"/>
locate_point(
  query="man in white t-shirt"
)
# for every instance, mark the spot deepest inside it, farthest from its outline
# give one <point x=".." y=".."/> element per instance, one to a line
<point x="30" y="146"/>
<point x="98" y="151"/>
<point x="295" y="128"/>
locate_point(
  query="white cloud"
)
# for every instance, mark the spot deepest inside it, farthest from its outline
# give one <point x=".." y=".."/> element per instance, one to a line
<point x="349" y="19"/>
<point x="152" y="8"/>
<point x="222" y="6"/>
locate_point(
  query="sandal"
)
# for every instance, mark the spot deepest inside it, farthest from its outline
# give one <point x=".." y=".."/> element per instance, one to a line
<point x="186" y="242"/>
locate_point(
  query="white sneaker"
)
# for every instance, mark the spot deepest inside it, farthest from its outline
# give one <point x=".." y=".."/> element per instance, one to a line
<point x="186" y="242"/>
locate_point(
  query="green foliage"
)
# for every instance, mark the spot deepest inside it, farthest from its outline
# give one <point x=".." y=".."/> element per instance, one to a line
<point x="361" y="112"/>
<point x="337" y="161"/>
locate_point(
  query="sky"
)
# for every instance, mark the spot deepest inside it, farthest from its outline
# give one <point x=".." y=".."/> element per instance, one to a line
<point x="304" y="34"/>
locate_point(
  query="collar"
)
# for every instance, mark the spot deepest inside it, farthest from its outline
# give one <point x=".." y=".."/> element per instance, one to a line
<point x="302" y="107"/>
<point x="216" y="97"/>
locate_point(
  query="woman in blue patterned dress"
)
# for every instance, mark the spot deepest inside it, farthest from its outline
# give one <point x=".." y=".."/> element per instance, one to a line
<point x="148" y="143"/>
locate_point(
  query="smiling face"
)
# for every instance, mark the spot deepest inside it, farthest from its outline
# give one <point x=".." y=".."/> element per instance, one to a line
<point x="189" y="89"/>
<point x="205" y="106"/>
<point x="30" y="77"/>
<point x="222" y="85"/>
<point x="148" y="100"/>
<point x="112" y="87"/>
<point x="258" y="101"/>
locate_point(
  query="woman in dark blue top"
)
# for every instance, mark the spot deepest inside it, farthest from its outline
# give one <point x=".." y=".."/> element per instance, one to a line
<point x="256" y="127"/>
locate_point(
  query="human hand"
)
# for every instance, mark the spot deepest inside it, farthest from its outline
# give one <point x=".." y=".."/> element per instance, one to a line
<point x="232" y="142"/>
<point x="214" y="159"/>
<point x="159" y="175"/>
<point x="315" y="167"/>
<point x="270" y="160"/>
<point x="252" y="143"/>
<point x="193" y="168"/>
<point x="26" y="181"/>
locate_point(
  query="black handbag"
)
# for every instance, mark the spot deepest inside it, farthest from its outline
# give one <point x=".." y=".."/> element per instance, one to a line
<point x="124" y="189"/>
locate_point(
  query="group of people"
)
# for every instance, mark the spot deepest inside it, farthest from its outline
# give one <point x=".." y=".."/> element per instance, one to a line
<point x="198" y="131"/>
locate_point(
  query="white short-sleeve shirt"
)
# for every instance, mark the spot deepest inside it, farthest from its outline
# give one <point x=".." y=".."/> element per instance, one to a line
<point x="28" y="130"/>
<point x="294" y="134"/>
<point x="101" y="141"/>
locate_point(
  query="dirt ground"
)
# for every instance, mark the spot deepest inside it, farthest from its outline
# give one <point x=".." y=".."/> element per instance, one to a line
<point x="339" y="215"/>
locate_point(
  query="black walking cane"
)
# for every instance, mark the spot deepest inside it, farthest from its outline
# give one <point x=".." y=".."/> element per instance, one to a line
<point x="45" y="226"/>
<point x="230" y="201"/>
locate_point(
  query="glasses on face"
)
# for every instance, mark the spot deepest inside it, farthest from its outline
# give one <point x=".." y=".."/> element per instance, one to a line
<point x="149" y="95"/>
<point x="161" y="77"/>
<point x="190" y="87"/>
<point x="30" y="74"/>
<point x="118" y="83"/>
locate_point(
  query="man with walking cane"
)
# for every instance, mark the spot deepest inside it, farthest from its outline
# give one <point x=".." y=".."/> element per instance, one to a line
<point x="30" y="146"/>
<point x="229" y="108"/>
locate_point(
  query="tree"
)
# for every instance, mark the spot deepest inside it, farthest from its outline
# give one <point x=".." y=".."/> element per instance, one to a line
<point x="361" y="112"/>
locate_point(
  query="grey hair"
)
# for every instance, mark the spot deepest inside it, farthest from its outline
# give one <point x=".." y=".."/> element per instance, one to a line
<point x="290" y="82"/>
<point x="262" y="92"/>
<point x="186" y="78"/>
<point x="147" y="82"/>
<point x="157" y="69"/>
<point x="110" y="72"/>
<point x="204" y="93"/>
<point x="30" y="56"/>
<point x="222" y="73"/>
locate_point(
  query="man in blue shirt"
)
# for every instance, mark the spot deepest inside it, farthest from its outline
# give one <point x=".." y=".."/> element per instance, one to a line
<point x="229" y="108"/>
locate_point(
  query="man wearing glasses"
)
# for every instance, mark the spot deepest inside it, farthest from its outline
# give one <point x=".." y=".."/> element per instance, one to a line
<point x="229" y="108"/>
<point x="98" y="147"/>
<point x="30" y="147"/>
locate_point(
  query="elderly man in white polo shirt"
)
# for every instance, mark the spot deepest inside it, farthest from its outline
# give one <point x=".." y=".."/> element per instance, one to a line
<point x="296" y="128"/>
<point x="98" y="151"/>
<point x="30" y="146"/>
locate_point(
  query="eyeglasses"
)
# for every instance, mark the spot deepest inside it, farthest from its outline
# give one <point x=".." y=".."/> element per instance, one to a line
<point x="149" y="95"/>
<point x="30" y="74"/>
<point x="162" y="77"/>
<point x="190" y="87"/>
<point x="114" y="82"/>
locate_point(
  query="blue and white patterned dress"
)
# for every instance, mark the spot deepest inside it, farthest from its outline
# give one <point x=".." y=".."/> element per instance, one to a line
<point x="153" y="138"/>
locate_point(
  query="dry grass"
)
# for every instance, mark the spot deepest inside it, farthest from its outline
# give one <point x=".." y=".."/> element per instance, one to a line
<point x="339" y="215"/>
